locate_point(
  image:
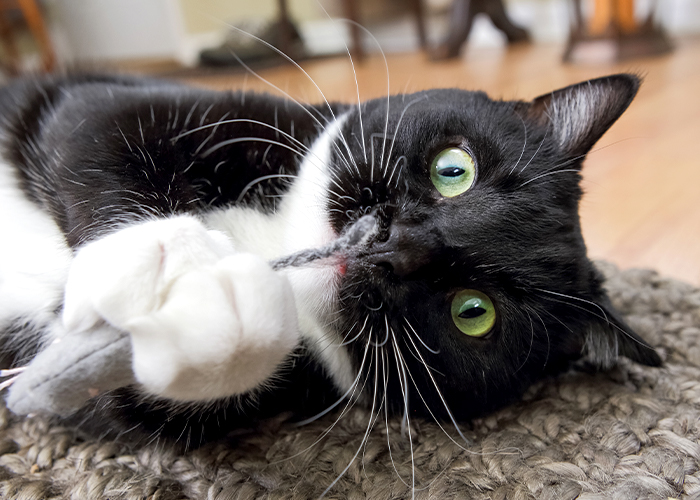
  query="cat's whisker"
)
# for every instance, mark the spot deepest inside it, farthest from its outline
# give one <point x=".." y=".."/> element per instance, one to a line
<point x="602" y="316"/>
<point x="124" y="136"/>
<point x="7" y="383"/>
<point x="442" y="399"/>
<point x="143" y="141"/>
<point x="252" y="183"/>
<point x="388" y="82"/>
<point x="298" y="66"/>
<point x="449" y="412"/>
<point x="370" y="422"/>
<point x="386" y="338"/>
<point x="433" y="351"/>
<point x="356" y="336"/>
<point x="357" y="87"/>
<point x="305" y="109"/>
<point x="411" y="352"/>
<point x="374" y="417"/>
<point x="187" y="118"/>
<point x="211" y="135"/>
<point x="578" y="299"/>
<point x="406" y="420"/>
<point x="385" y="376"/>
<point x="278" y="130"/>
<point x="351" y="399"/>
<point x="236" y="140"/>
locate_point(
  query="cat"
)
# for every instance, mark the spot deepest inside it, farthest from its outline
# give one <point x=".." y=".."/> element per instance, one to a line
<point x="154" y="208"/>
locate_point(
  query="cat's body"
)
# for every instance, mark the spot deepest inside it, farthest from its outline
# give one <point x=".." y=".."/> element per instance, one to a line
<point x="152" y="208"/>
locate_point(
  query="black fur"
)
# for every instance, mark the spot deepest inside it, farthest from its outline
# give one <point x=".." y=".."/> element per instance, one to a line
<point x="100" y="152"/>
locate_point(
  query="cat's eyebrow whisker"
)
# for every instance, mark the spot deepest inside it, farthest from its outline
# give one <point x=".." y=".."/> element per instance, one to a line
<point x="402" y="157"/>
<point x="583" y="156"/>
<point x="396" y="130"/>
<point x="306" y="109"/>
<point x="524" y="145"/>
<point x="532" y="341"/>
<point x="535" y="153"/>
<point x="574" y="170"/>
<point x="546" y="332"/>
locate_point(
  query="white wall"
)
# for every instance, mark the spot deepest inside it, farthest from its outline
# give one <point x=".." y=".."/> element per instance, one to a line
<point x="87" y="30"/>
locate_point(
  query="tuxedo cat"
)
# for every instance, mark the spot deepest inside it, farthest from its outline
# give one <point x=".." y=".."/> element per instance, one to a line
<point x="154" y="209"/>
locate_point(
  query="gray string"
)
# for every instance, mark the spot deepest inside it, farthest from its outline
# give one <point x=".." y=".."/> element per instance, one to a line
<point x="354" y="237"/>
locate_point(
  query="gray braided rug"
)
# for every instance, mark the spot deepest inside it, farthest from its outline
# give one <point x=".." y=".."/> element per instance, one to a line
<point x="631" y="433"/>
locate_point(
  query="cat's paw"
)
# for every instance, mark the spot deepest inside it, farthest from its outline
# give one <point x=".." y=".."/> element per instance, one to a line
<point x="205" y="322"/>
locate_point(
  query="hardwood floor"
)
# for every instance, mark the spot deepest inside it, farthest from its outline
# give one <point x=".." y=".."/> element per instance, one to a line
<point x="642" y="181"/>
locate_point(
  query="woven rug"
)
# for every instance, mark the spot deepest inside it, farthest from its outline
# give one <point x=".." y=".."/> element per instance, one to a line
<point x="630" y="433"/>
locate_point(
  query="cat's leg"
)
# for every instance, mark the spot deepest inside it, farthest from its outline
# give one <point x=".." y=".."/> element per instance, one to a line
<point x="205" y="322"/>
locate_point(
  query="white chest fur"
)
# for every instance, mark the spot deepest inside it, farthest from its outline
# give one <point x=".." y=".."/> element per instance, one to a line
<point x="301" y="222"/>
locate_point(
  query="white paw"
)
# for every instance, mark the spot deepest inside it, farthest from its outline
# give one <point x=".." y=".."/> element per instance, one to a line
<point x="205" y="322"/>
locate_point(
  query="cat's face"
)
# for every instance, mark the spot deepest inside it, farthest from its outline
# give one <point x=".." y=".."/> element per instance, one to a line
<point x="478" y="282"/>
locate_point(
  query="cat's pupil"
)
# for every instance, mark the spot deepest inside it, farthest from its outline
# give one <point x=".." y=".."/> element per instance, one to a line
<point x="451" y="171"/>
<point x="472" y="312"/>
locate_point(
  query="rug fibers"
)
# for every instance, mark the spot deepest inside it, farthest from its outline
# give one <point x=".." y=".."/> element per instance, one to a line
<point x="631" y="433"/>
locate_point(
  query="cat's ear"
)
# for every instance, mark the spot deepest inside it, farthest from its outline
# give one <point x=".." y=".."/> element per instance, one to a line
<point x="610" y="337"/>
<point x="580" y="114"/>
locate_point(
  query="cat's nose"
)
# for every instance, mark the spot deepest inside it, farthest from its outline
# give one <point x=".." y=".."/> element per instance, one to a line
<point x="406" y="249"/>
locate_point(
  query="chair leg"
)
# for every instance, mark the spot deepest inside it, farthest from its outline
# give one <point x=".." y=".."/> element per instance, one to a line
<point x="11" y="64"/>
<point x="350" y="7"/>
<point x="35" y="20"/>
<point x="419" y="12"/>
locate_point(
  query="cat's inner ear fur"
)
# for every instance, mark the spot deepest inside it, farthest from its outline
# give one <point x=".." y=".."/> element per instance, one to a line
<point x="610" y="337"/>
<point x="580" y="114"/>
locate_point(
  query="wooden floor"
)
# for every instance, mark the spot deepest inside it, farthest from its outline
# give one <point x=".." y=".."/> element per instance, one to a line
<point x="642" y="181"/>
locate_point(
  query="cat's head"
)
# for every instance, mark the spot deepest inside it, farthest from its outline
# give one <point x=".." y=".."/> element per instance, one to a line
<point x="478" y="282"/>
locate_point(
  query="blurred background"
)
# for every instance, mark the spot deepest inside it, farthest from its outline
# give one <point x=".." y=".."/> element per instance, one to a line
<point x="642" y="180"/>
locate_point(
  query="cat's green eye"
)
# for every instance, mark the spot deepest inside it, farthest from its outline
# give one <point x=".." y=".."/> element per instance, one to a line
<point x="473" y="313"/>
<point x="452" y="172"/>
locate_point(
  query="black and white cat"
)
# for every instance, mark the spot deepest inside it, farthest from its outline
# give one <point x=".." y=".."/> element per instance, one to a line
<point x="154" y="209"/>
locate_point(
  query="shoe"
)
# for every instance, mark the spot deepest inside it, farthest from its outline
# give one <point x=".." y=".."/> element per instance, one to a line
<point x="242" y="45"/>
